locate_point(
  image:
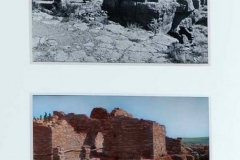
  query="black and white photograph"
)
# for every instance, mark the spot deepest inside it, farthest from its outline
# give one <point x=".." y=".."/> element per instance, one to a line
<point x="120" y="31"/>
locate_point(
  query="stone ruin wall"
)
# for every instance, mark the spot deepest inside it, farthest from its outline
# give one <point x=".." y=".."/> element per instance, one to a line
<point x="47" y="138"/>
<point x="130" y="138"/>
<point x="173" y="145"/>
<point x="118" y="135"/>
<point x="120" y="112"/>
<point x="42" y="142"/>
<point x="63" y="135"/>
<point x="176" y="150"/>
<point x="124" y="137"/>
<point x="159" y="140"/>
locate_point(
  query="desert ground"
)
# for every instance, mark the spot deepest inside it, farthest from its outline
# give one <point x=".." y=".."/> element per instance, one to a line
<point x="83" y="32"/>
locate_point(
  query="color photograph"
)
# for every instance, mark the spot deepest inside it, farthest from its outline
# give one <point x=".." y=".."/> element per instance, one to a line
<point x="100" y="127"/>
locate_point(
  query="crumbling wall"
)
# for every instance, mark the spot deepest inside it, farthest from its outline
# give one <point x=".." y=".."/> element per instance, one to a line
<point x="173" y="146"/>
<point x="83" y="124"/>
<point x="107" y="136"/>
<point x="119" y="136"/>
<point x="159" y="140"/>
<point x="99" y="113"/>
<point x="120" y="112"/>
<point x="63" y="135"/>
<point x="129" y="139"/>
<point x="42" y="142"/>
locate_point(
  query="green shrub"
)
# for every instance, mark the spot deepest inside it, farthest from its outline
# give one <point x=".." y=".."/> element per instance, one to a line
<point x="45" y="115"/>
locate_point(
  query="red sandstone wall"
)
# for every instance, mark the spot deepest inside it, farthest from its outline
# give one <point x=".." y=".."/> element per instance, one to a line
<point x="42" y="142"/>
<point x="128" y="138"/>
<point x="63" y="135"/>
<point x="121" y="137"/>
<point x="173" y="146"/>
<point x="117" y="136"/>
<point x="82" y="123"/>
<point x="99" y="113"/>
<point x="120" y="112"/>
<point x="159" y="140"/>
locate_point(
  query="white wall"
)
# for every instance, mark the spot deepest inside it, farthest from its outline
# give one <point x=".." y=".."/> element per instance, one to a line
<point x="219" y="80"/>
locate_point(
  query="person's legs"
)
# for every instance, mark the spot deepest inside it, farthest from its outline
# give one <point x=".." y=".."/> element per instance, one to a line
<point x="187" y="32"/>
<point x="177" y="36"/>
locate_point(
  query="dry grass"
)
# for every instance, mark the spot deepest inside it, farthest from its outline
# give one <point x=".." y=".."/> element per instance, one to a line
<point x="177" y="53"/>
<point x="65" y="11"/>
<point x="155" y="26"/>
<point x="134" y="26"/>
<point x="197" y="52"/>
<point x="200" y="43"/>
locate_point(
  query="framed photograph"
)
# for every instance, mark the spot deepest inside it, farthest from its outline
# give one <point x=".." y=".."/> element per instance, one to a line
<point x="96" y="127"/>
<point x="120" y="31"/>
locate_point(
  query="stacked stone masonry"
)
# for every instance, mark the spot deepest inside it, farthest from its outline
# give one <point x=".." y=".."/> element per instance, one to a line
<point x="173" y="146"/>
<point x="103" y="136"/>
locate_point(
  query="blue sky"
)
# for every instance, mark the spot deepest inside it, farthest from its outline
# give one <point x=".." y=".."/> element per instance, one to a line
<point x="182" y="116"/>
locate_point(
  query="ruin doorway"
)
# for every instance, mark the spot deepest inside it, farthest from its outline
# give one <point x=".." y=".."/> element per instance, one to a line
<point x="99" y="140"/>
